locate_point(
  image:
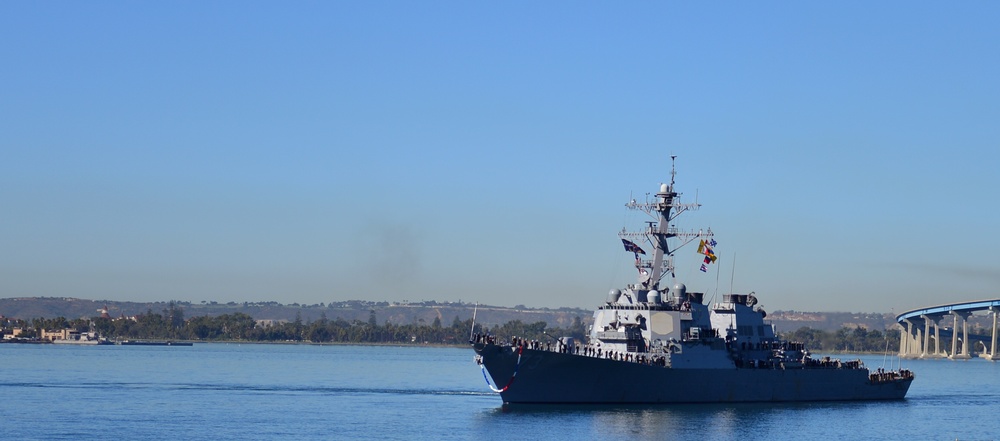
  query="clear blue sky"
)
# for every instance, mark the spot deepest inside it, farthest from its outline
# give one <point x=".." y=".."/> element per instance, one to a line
<point x="846" y="153"/>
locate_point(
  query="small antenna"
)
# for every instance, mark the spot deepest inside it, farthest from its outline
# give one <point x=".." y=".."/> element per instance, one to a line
<point x="473" y="330"/>
<point x="673" y="170"/>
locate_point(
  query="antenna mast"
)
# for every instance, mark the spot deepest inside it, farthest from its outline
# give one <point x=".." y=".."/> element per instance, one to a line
<point x="665" y="207"/>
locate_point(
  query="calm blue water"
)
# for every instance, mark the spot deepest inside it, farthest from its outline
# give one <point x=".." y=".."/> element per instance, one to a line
<point x="231" y="391"/>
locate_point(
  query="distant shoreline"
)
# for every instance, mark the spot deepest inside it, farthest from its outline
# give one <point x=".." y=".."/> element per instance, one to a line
<point x="340" y="343"/>
<point x="401" y="345"/>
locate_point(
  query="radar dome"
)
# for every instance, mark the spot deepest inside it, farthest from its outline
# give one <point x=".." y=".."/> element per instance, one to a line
<point x="653" y="297"/>
<point x="663" y="188"/>
<point x="678" y="292"/>
<point x="614" y="295"/>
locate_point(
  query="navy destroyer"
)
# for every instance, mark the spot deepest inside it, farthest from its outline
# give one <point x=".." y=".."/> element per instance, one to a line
<point x="653" y="345"/>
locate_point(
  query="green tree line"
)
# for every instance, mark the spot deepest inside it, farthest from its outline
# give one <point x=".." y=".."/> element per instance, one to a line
<point x="170" y="324"/>
<point x="845" y="339"/>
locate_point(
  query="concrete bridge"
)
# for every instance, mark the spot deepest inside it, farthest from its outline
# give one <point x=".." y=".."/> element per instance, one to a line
<point x="922" y="336"/>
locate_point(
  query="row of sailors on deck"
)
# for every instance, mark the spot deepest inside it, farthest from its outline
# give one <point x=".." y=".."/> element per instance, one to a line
<point x="488" y="339"/>
<point x="767" y="345"/>
<point x="540" y="346"/>
<point x="518" y="342"/>
<point x="589" y="351"/>
<point x="634" y="358"/>
<point x="883" y="376"/>
<point x="825" y="362"/>
<point x="828" y="362"/>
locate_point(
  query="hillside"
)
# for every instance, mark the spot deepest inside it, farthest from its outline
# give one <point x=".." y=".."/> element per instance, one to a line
<point x="399" y="313"/>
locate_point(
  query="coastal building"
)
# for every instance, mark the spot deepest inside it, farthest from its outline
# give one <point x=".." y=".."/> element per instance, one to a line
<point x="14" y="333"/>
<point x="60" y="334"/>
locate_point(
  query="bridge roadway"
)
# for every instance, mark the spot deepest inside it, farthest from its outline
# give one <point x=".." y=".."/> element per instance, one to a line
<point x="915" y="340"/>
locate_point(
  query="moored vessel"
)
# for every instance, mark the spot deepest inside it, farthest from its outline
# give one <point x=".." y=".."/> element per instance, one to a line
<point x="654" y="344"/>
<point x="82" y="338"/>
<point x="154" y="343"/>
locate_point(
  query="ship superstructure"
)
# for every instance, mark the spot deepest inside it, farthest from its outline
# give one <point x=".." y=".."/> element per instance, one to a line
<point x="655" y="344"/>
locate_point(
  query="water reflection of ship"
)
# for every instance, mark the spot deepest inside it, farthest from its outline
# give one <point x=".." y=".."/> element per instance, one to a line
<point x="655" y="345"/>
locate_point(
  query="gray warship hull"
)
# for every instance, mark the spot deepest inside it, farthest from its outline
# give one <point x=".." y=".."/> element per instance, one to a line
<point x="545" y="377"/>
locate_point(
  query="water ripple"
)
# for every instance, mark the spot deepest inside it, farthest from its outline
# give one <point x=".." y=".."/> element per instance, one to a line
<point x="243" y="388"/>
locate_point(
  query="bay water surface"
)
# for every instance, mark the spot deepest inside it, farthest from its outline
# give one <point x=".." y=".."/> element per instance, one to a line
<point x="259" y="391"/>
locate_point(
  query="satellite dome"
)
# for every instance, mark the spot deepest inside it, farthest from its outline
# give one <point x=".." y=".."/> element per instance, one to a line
<point x="614" y="295"/>
<point x="653" y="297"/>
<point x="678" y="292"/>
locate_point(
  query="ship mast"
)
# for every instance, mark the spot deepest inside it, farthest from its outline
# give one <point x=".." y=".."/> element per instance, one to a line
<point x="665" y="207"/>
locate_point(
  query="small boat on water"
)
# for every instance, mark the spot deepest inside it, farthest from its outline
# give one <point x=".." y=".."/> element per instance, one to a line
<point x="663" y="344"/>
<point x="82" y="338"/>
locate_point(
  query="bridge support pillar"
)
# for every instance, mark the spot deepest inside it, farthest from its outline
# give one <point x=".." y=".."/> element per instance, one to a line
<point x="964" y="354"/>
<point x="926" y="352"/>
<point x="993" y="346"/>
<point x="926" y="347"/>
<point x="965" y="336"/>
<point x="937" y="338"/>
<point x="925" y="342"/>
<point x="954" y="336"/>
<point x="907" y="348"/>
<point x="913" y="347"/>
<point x="903" y="332"/>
